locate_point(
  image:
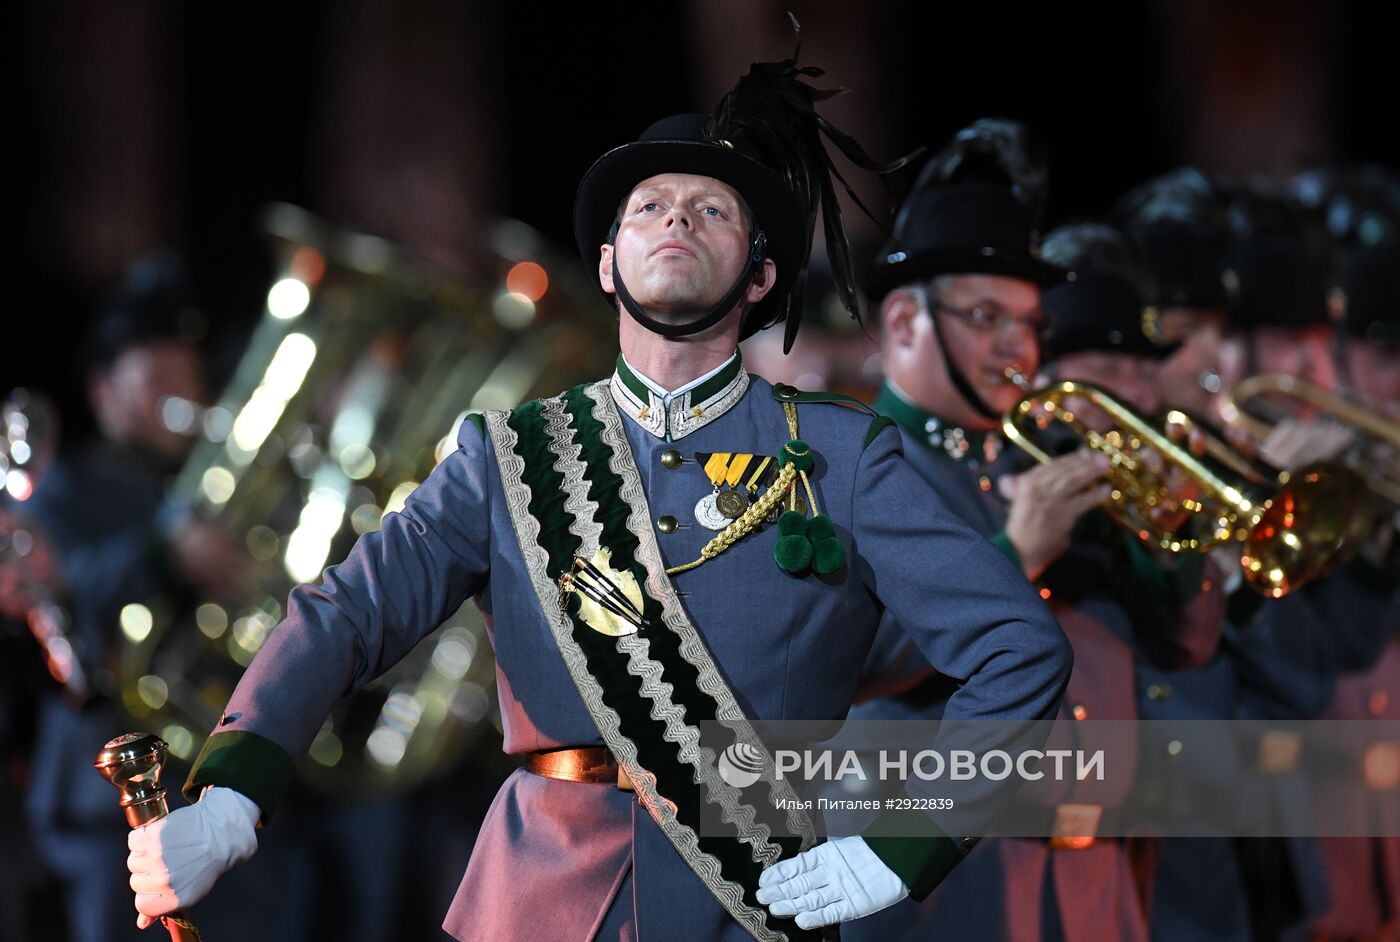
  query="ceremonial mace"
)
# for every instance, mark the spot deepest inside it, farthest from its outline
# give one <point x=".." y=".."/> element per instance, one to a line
<point x="132" y="762"/>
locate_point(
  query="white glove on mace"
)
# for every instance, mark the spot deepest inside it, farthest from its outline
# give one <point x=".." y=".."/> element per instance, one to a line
<point x="838" y="881"/>
<point x="175" y="860"/>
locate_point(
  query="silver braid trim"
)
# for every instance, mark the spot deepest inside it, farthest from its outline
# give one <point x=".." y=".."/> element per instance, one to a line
<point x="692" y="648"/>
<point x="527" y="531"/>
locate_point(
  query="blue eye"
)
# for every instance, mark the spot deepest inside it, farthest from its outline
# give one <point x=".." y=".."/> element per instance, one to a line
<point x="646" y="207"/>
<point x="712" y="211"/>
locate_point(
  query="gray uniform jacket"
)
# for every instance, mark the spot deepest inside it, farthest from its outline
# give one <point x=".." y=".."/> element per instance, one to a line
<point x="565" y="860"/>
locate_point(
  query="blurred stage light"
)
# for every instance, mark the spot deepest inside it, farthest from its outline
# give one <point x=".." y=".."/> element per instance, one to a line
<point x="288" y="298"/>
<point x="528" y="279"/>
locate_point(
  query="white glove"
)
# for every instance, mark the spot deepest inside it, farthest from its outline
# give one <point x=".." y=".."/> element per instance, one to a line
<point x="175" y="860"/>
<point x="837" y="881"/>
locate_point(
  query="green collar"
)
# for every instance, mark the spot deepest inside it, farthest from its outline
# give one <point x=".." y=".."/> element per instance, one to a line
<point x="688" y="410"/>
<point x="959" y="443"/>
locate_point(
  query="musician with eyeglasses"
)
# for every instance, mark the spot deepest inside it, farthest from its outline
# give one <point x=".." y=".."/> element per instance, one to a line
<point x="965" y="291"/>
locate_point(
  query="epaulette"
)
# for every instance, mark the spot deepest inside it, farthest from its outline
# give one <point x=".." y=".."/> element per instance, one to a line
<point x="785" y="393"/>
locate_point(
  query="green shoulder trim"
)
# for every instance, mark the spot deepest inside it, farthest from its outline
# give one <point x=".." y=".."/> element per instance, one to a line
<point x="916" y="849"/>
<point x="1003" y="542"/>
<point x="245" y="762"/>
<point x="877" y="425"/>
<point x="479" y="420"/>
<point x="785" y="393"/>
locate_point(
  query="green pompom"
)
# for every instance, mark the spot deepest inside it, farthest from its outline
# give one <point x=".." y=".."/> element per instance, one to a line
<point x="797" y="453"/>
<point x="792" y="523"/>
<point x="828" y="556"/>
<point x="793" y="553"/>
<point x="820" y="528"/>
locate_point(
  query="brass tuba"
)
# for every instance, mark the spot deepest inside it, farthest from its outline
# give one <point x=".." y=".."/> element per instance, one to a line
<point x="345" y="399"/>
<point x="1289" y="535"/>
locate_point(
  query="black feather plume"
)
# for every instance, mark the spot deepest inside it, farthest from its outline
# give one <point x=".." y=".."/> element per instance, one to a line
<point x="774" y="113"/>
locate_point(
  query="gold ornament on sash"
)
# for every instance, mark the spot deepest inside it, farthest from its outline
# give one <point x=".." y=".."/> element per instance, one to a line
<point x="610" y="601"/>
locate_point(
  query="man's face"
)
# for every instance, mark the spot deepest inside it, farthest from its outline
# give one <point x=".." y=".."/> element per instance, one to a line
<point x="682" y="243"/>
<point x="989" y="323"/>
<point x="1374" y="370"/>
<point x="1190" y="377"/>
<point x="128" y="395"/>
<point x="1301" y="352"/>
<point x="1132" y="379"/>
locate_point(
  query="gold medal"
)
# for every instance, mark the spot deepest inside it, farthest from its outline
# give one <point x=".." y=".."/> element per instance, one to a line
<point x="732" y="503"/>
<point x="725" y="470"/>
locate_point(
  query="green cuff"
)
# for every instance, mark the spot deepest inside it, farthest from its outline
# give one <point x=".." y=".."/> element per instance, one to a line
<point x="245" y="762"/>
<point x="1003" y="542"/>
<point x="916" y="849"/>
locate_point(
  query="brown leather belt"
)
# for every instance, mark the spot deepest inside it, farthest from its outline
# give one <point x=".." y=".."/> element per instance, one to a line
<point x="592" y="764"/>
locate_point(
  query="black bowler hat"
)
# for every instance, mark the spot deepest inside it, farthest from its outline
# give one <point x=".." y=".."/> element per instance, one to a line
<point x="1103" y="304"/>
<point x="1361" y="211"/>
<point x="973" y="210"/>
<point x="1176" y="222"/>
<point x="764" y="139"/>
<point x="1281" y="258"/>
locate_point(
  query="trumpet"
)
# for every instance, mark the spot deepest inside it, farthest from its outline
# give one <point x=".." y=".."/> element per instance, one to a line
<point x="1373" y="453"/>
<point x="1289" y="533"/>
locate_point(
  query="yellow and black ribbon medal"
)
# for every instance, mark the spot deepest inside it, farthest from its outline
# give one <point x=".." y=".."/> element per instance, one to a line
<point x="735" y="478"/>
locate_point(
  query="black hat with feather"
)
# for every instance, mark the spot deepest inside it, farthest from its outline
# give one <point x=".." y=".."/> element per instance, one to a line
<point x="975" y="209"/>
<point x="764" y="139"/>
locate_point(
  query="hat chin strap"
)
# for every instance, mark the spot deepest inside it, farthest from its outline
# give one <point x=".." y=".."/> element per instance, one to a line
<point x="961" y="382"/>
<point x="710" y="318"/>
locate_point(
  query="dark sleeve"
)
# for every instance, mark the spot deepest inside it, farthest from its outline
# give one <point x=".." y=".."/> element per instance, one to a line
<point x="1284" y="660"/>
<point x="975" y="618"/>
<point x="394" y="588"/>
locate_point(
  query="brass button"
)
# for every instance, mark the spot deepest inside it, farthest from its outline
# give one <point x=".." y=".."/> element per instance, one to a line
<point x="785" y="392"/>
<point x="1159" y="691"/>
<point x="671" y="458"/>
<point x="667" y="524"/>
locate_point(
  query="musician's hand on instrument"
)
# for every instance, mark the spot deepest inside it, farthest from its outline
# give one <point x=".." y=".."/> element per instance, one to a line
<point x="1294" y="443"/>
<point x="838" y="881"/>
<point x="175" y="860"/>
<point x="1046" y="502"/>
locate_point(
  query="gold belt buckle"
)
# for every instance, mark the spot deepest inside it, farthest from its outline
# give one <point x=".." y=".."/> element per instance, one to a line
<point x="1279" y="750"/>
<point x="1075" y="827"/>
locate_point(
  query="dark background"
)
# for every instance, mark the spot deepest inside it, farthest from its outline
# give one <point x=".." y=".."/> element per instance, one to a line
<point x="146" y="125"/>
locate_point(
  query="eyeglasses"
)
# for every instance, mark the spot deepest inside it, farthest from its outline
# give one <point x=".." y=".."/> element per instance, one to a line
<point x="992" y="320"/>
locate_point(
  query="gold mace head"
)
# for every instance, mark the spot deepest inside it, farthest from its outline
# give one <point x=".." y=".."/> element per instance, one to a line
<point x="132" y="762"/>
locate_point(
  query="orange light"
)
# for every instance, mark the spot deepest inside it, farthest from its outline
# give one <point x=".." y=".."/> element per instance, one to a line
<point x="528" y="279"/>
<point x="308" y="265"/>
<point x="1045" y="593"/>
